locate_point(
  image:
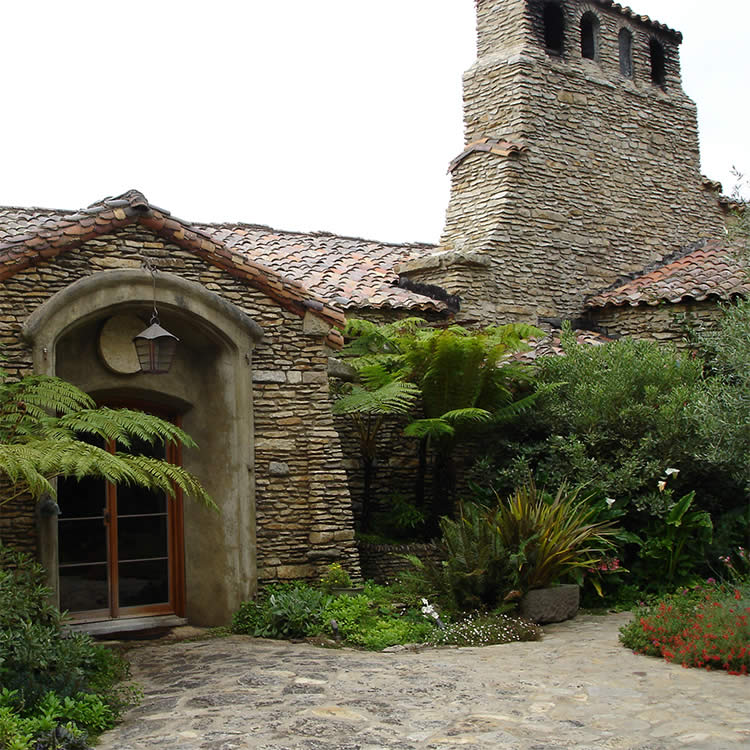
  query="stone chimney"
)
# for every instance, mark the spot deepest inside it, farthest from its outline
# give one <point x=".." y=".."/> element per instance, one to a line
<point x="581" y="162"/>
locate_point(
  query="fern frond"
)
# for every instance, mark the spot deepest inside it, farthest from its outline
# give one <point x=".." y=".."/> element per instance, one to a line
<point x="392" y="398"/>
<point x="429" y="428"/>
<point x="121" y="425"/>
<point x="34" y="464"/>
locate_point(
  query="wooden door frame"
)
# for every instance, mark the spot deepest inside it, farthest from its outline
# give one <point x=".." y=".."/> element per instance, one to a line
<point x="175" y="534"/>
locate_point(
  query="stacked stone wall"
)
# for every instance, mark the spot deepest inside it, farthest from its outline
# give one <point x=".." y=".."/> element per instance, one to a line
<point x="665" y="322"/>
<point x="609" y="181"/>
<point x="383" y="562"/>
<point x="303" y="507"/>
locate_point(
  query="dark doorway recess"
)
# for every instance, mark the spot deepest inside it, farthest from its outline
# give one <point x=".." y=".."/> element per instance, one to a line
<point x="121" y="551"/>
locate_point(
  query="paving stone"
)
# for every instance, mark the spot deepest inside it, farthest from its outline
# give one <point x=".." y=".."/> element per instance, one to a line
<point x="577" y="689"/>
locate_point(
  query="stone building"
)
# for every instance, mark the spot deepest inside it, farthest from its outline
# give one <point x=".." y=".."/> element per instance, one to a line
<point x="578" y="196"/>
<point x="581" y="163"/>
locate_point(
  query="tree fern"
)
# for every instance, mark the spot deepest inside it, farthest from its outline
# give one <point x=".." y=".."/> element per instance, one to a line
<point x="44" y="426"/>
<point x="465" y="378"/>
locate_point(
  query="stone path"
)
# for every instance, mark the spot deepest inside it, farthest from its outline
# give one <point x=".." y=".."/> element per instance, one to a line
<point x="578" y="688"/>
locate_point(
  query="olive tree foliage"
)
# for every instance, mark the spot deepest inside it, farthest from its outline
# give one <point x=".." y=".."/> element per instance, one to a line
<point x="722" y="408"/>
<point x="49" y="429"/>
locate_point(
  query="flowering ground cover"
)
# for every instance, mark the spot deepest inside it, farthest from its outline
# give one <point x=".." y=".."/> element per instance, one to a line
<point x="707" y="626"/>
<point x="378" y="617"/>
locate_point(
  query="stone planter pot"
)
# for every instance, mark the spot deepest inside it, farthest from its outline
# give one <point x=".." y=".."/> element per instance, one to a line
<point x="552" y="604"/>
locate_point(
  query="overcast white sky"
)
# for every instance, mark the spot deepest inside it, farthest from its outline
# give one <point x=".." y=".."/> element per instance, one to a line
<point x="303" y="114"/>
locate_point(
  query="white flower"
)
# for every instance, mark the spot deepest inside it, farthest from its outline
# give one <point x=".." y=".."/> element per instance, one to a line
<point x="610" y="501"/>
<point x="661" y="485"/>
<point x="670" y="471"/>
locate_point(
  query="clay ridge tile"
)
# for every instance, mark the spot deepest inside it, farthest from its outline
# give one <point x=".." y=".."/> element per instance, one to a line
<point x="57" y="235"/>
<point x="488" y="145"/>
<point x="624" y="10"/>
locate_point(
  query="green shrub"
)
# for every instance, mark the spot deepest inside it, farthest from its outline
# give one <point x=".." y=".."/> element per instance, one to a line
<point x="707" y="626"/>
<point x="51" y="680"/>
<point x="38" y="733"/>
<point x="282" y="611"/>
<point x="621" y="415"/>
<point x="335" y="577"/>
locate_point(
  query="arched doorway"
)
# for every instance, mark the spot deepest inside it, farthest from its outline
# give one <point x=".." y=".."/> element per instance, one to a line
<point x="209" y="388"/>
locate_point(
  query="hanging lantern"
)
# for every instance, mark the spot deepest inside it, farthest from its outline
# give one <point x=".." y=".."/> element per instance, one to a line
<point x="156" y="348"/>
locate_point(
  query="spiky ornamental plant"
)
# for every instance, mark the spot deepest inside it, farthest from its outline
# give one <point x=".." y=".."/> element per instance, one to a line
<point x="551" y="536"/>
<point x="44" y="426"/>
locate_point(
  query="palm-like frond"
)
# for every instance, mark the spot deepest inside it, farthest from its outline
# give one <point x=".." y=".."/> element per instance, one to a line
<point x="457" y="416"/>
<point x="33" y="464"/>
<point x="392" y="398"/>
<point x="429" y="428"/>
<point x="121" y="425"/>
<point x="44" y="425"/>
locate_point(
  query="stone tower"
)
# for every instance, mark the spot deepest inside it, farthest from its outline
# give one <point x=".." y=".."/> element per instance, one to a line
<point x="581" y="162"/>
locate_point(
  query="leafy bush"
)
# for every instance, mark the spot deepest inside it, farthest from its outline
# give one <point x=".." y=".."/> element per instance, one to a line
<point x="335" y="577"/>
<point x="621" y="415"/>
<point x="36" y="656"/>
<point x="707" y="626"/>
<point x="39" y="733"/>
<point x="56" y="686"/>
<point x="282" y="611"/>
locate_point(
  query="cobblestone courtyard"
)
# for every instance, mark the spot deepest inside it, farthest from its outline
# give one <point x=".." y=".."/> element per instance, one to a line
<point x="578" y="688"/>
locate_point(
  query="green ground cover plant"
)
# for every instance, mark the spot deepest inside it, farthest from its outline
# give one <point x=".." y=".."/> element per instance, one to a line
<point x="479" y="629"/>
<point x="57" y="688"/>
<point x="379" y="617"/>
<point x="705" y="626"/>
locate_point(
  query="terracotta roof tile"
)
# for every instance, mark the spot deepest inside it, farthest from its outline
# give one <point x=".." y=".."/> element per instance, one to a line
<point x="353" y="272"/>
<point x="708" y="269"/>
<point x="489" y="145"/>
<point x="29" y="236"/>
<point x="645" y="20"/>
<point x="551" y="345"/>
<point x="339" y="272"/>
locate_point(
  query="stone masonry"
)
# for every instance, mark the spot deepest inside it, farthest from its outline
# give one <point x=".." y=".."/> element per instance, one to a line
<point x="574" y="173"/>
<point x="303" y="508"/>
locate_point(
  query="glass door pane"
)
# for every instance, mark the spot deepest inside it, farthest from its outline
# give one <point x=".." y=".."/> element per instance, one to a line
<point x="142" y="540"/>
<point x="82" y="535"/>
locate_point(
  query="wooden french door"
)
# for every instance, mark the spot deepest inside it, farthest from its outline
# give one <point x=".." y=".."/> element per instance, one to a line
<point x="120" y="547"/>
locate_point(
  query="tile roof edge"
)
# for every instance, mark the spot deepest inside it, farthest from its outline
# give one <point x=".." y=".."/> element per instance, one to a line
<point x="133" y="208"/>
<point x="314" y="233"/>
<point x="600" y="300"/>
<point x="680" y="252"/>
<point x="645" y="20"/>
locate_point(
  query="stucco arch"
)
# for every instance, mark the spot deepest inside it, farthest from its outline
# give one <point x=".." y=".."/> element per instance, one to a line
<point x="210" y="385"/>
